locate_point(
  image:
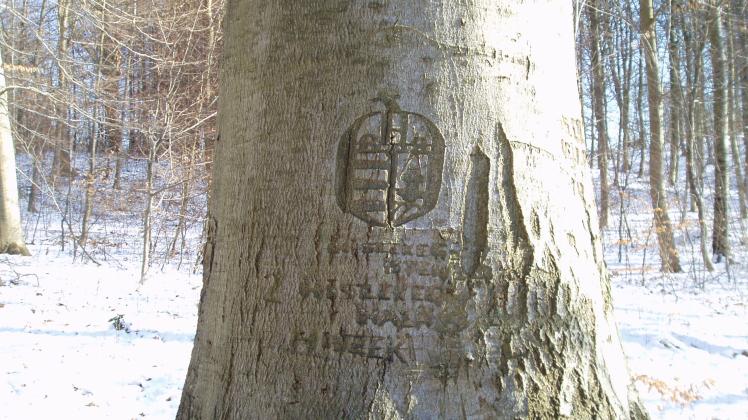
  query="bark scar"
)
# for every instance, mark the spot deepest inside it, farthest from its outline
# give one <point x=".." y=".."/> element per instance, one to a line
<point x="475" y="215"/>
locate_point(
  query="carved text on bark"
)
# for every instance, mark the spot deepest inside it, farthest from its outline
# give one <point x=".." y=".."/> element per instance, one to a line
<point x="410" y="308"/>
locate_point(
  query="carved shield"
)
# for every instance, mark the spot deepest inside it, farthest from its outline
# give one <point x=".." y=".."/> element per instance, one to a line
<point x="389" y="168"/>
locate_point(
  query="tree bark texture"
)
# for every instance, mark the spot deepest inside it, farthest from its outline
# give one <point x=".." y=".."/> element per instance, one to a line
<point x="11" y="234"/>
<point x="663" y="227"/>
<point x="402" y="221"/>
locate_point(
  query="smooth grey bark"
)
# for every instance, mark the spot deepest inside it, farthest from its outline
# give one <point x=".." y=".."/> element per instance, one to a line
<point x="11" y="234"/>
<point x="720" y="242"/>
<point x="663" y="228"/>
<point x="401" y="221"/>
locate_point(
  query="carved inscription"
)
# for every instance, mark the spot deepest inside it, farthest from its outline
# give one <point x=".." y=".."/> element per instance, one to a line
<point x="402" y="303"/>
<point x="443" y="360"/>
<point x="410" y="305"/>
<point x="364" y="345"/>
<point x="416" y="277"/>
<point x="389" y="167"/>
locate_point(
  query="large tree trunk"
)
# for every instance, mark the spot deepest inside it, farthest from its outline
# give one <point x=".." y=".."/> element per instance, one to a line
<point x="11" y="234"/>
<point x="402" y="222"/>
<point x="720" y="243"/>
<point x="667" y="250"/>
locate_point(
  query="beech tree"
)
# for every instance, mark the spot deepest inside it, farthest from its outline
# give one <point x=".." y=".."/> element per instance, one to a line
<point x="11" y="234"/>
<point x="401" y="221"/>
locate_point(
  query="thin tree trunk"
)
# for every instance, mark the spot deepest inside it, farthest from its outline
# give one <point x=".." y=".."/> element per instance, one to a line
<point x="90" y="190"/>
<point x="11" y="233"/>
<point x="694" y="77"/>
<point x="703" y="153"/>
<point x="147" y="215"/>
<point x="640" y="120"/>
<point x="742" y="35"/>
<point x="92" y="147"/>
<point x="675" y="104"/>
<point x="598" y="101"/>
<point x="696" y="199"/>
<point x="37" y="150"/>
<point x="695" y="42"/>
<point x="37" y="159"/>
<point x="695" y="182"/>
<point x="432" y="274"/>
<point x="735" y="123"/>
<point x="109" y="67"/>
<point x="622" y="74"/>
<point x="720" y="242"/>
<point x="667" y="250"/>
<point x="184" y="202"/>
<point x="61" y="163"/>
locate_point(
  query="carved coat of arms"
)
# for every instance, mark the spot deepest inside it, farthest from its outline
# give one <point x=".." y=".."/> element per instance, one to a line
<point x="389" y="168"/>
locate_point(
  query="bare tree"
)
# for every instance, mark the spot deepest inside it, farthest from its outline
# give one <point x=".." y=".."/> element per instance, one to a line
<point x="694" y="76"/>
<point x="720" y="242"/>
<point x="663" y="227"/>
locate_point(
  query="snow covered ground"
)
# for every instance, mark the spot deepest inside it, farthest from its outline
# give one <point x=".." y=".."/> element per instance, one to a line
<point x="688" y="351"/>
<point x="78" y="341"/>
